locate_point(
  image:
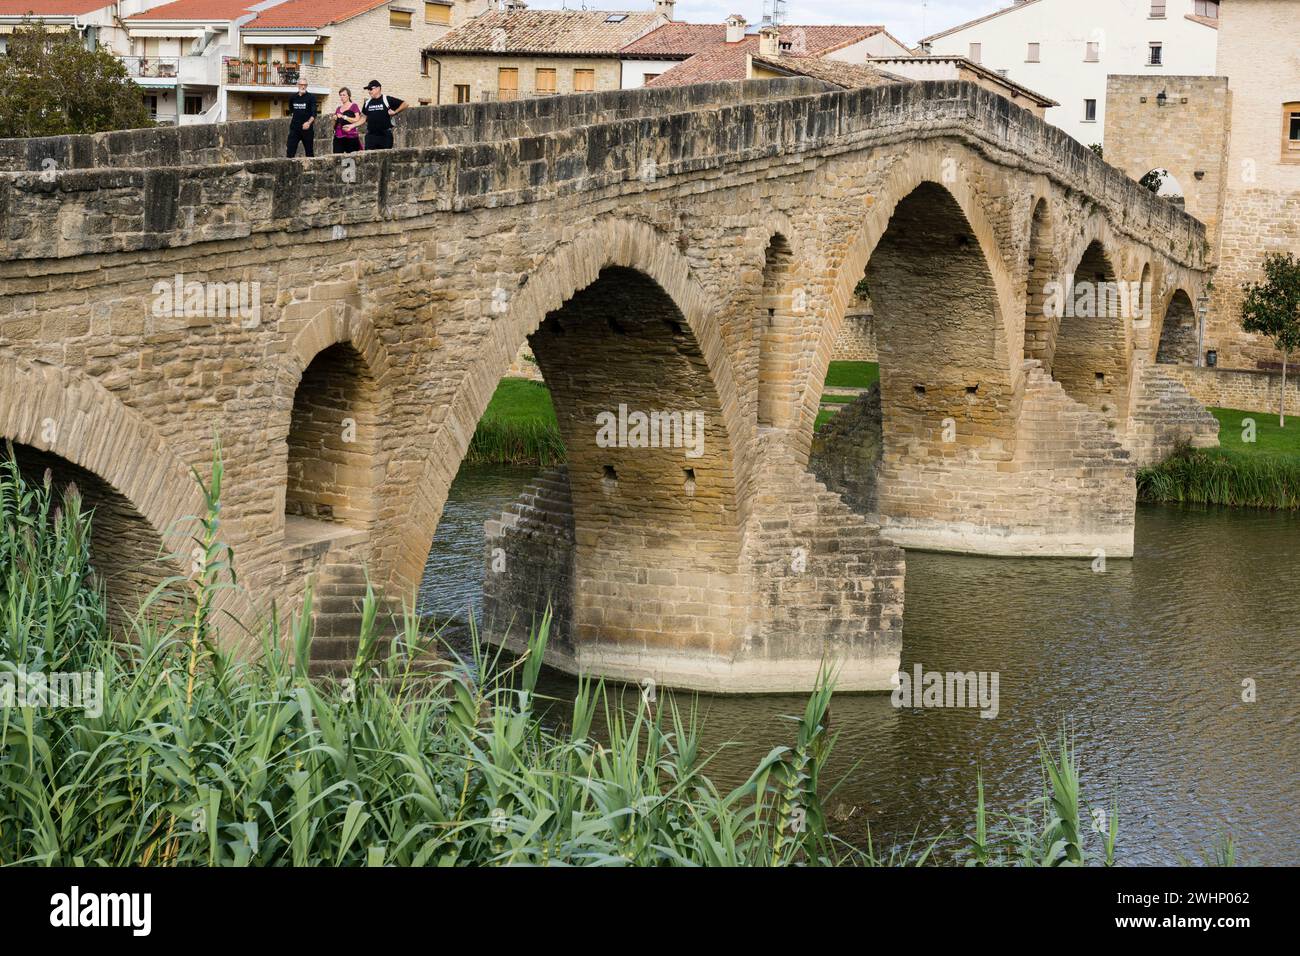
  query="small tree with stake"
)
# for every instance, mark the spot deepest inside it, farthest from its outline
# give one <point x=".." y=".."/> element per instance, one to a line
<point x="1272" y="308"/>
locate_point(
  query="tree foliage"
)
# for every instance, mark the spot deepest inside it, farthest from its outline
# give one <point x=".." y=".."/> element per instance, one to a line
<point x="1154" y="180"/>
<point x="51" y="85"/>
<point x="1272" y="308"/>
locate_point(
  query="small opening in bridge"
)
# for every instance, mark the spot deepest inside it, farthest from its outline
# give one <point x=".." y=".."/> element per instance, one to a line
<point x="689" y="485"/>
<point x="610" y="479"/>
<point x="1100" y="378"/>
<point x="972" y="389"/>
<point x="919" y="389"/>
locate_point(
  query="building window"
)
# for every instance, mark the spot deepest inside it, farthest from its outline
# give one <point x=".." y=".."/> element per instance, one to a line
<point x="1157" y="55"/>
<point x="976" y="52"/>
<point x="1291" y="133"/>
<point x="545" y="80"/>
<point x="1092" y="52"/>
<point x="1090" y="111"/>
<point x="646" y="78"/>
<point x="1207" y="8"/>
<point x="462" y="92"/>
<point x="399" y="19"/>
<point x="424" y="64"/>
<point x="507" y="83"/>
<point x="193" y="105"/>
<point x="1157" y="9"/>
<point x="439" y="13"/>
<point x="584" y="81"/>
<point x="308" y="56"/>
<point x="151" y="104"/>
<point x="1034" y="54"/>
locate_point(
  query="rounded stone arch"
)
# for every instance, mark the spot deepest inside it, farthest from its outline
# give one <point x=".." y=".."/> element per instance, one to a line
<point x="611" y="243"/>
<point x="117" y="456"/>
<point x="1091" y="352"/>
<point x="337" y="324"/>
<point x="920" y="168"/>
<point x="331" y="387"/>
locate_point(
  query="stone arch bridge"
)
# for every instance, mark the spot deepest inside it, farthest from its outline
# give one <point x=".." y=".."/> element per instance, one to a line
<point x="687" y="252"/>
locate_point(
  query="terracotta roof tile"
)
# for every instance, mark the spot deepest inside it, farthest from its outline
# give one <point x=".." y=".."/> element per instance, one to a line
<point x="51" y="8"/>
<point x="726" y="61"/>
<point x="673" y="40"/>
<point x="548" y="31"/>
<point x="849" y="76"/>
<point x="215" y="10"/>
<point x="311" y="14"/>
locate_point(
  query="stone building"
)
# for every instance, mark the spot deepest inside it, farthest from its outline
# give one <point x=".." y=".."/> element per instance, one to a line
<point x="339" y="43"/>
<point x="177" y="52"/>
<point x="680" y="54"/>
<point x="515" y="53"/>
<point x="1065" y="49"/>
<point x="98" y="22"/>
<point x="938" y="67"/>
<point x="1234" y="142"/>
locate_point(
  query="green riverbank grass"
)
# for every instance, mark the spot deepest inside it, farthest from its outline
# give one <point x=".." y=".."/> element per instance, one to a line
<point x="852" y="374"/>
<point x="1264" y="473"/>
<point x="1216" y="476"/>
<point x="1269" y="438"/>
<point x="196" y="758"/>
<point x="518" y="428"/>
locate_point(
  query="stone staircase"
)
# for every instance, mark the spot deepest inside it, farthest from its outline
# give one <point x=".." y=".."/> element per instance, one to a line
<point x="1058" y="433"/>
<point x="337" y="602"/>
<point x="535" y="538"/>
<point x="827" y="575"/>
<point x="1164" y="415"/>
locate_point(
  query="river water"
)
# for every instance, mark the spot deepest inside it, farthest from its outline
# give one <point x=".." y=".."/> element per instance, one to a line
<point x="1144" y="663"/>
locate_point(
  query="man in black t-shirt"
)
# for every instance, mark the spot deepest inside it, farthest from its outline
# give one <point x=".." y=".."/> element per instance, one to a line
<point x="379" y="111"/>
<point x="302" y="117"/>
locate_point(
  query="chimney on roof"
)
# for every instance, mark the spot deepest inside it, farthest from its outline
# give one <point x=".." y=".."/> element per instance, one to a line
<point x="665" y="9"/>
<point x="769" y="41"/>
<point x="513" y="6"/>
<point x="735" y="28"/>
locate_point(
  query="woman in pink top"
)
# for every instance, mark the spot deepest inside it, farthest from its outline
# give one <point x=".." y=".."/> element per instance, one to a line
<point x="347" y="117"/>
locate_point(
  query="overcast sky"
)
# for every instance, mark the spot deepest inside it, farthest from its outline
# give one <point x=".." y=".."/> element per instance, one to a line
<point x="909" y="20"/>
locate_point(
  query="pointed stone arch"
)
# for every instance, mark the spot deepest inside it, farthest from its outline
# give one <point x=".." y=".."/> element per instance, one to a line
<point x="1177" y="341"/>
<point x="149" y="493"/>
<point x="610" y="243"/>
<point x="933" y="166"/>
<point x="1041" y="267"/>
<point x="1091" y="357"/>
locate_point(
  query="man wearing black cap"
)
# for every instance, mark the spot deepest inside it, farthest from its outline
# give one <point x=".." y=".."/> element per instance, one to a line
<point x="379" y="111"/>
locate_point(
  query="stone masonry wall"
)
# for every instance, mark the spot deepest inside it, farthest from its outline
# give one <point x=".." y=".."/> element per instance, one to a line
<point x="1187" y="136"/>
<point x="420" y="126"/>
<point x="857" y="340"/>
<point x="480" y="74"/>
<point x="1250" y="391"/>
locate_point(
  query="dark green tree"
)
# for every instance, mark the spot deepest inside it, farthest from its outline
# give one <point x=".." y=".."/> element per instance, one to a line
<point x="1154" y="180"/>
<point x="50" y="85"/>
<point x="1272" y="308"/>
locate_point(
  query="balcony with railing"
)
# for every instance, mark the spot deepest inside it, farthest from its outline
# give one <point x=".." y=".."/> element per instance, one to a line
<point x="200" y="70"/>
<point x="152" y="67"/>
<point x="252" y="73"/>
